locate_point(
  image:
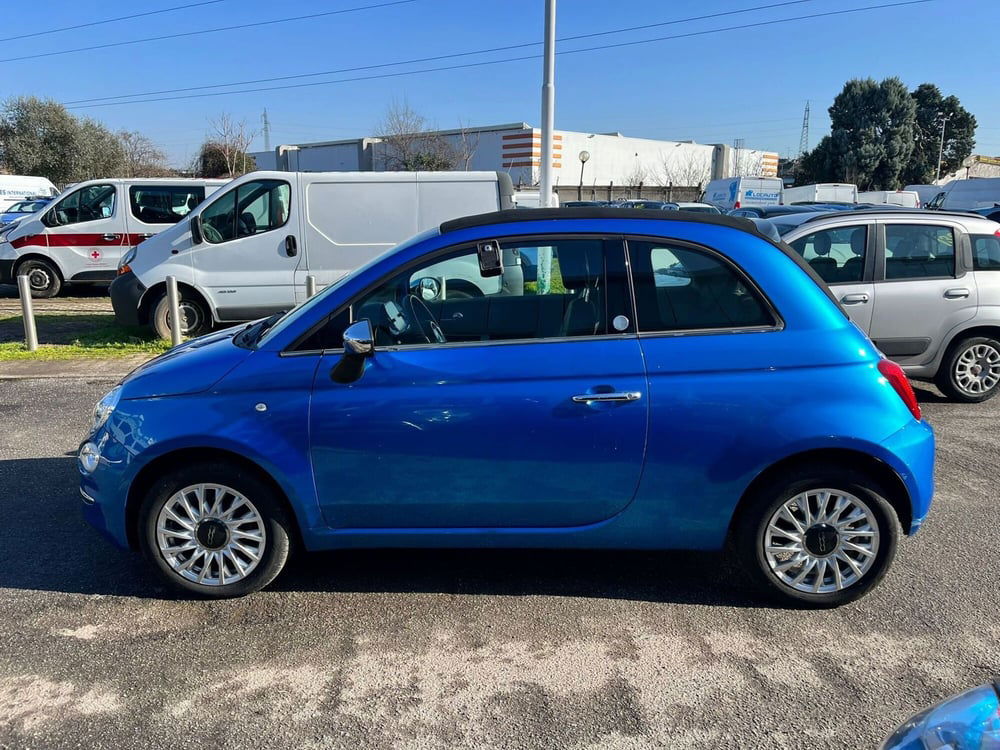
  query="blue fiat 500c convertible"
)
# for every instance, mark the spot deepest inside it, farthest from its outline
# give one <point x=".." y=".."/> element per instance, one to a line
<point x="587" y="378"/>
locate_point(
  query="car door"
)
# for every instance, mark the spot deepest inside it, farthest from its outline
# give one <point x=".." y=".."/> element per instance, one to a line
<point x="533" y="413"/>
<point x="843" y="256"/>
<point x="86" y="232"/>
<point x="920" y="293"/>
<point x="246" y="262"/>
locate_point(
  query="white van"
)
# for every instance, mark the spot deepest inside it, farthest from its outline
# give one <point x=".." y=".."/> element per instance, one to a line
<point x="905" y="198"/>
<point x="81" y="236"/>
<point x="15" y="187"/>
<point x="927" y="193"/>
<point x="824" y="192"/>
<point x="247" y="252"/>
<point x="743" y="192"/>
<point x="967" y="195"/>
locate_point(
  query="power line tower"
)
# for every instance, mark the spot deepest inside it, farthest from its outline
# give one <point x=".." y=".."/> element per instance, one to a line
<point x="267" y="131"/>
<point x="804" y="138"/>
<point x="738" y="144"/>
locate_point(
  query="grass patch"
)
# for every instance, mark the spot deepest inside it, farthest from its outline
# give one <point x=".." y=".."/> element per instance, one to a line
<point x="71" y="336"/>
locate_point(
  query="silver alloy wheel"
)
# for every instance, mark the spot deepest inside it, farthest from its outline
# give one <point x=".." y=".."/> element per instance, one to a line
<point x="977" y="369"/>
<point x="210" y="534"/>
<point x="821" y="541"/>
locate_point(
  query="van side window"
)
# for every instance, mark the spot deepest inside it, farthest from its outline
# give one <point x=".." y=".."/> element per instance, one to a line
<point x="252" y="208"/>
<point x="837" y="255"/>
<point x="163" y="204"/>
<point x="679" y="288"/>
<point x="919" y="251"/>
<point x="986" y="252"/>
<point x="86" y="204"/>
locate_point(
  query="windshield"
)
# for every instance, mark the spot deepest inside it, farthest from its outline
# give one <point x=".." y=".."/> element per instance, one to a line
<point x="319" y="300"/>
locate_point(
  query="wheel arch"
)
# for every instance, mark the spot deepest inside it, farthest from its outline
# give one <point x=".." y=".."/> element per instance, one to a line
<point x="153" y="294"/>
<point x="40" y="256"/>
<point x="184" y="457"/>
<point x="898" y="495"/>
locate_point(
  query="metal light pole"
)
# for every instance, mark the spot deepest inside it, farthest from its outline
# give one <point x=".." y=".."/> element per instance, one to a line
<point x="944" y="121"/>
<point x="548" y="103"/>
<point x="584" y="156"/>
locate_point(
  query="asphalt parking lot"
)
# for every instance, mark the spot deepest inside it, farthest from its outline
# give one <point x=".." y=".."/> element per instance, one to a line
<point x="473" y="649"/>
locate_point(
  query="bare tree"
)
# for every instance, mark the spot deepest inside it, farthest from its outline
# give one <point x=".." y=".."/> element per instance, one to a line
<point x="141" y="157"/>
<point x="468" y="144"/>
<point x="408" y="144"/>
<point x="638" y="176"/>
<point x="233" y="139"/>
<point x="687" y="169"/>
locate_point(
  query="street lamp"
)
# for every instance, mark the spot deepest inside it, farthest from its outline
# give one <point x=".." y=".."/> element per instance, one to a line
<point x="584" y="157"/>
<point x="944" y="121"/>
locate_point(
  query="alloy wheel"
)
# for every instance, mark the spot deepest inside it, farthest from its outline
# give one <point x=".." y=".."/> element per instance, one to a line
<point x="821" y="541"/>
<point x="210" y="534"/>
<point x="39" y="279"/>
<point x="977" y="369"/>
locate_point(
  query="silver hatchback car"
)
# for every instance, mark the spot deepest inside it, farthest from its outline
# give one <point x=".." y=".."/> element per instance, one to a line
<point x="924" y="285"/>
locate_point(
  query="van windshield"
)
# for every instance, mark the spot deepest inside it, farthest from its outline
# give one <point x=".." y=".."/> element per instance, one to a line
<point x="320" y="300"/>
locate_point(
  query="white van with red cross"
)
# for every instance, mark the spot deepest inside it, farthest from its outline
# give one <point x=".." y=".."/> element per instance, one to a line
<point x="81" y="235"/>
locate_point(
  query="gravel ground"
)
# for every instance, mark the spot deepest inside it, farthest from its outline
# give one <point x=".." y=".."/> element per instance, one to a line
<point x="473" y="649"/>
<point x="79" y="299"/>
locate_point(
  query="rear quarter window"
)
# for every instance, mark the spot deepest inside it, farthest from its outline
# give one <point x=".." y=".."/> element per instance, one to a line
<point x="986" y="252"/>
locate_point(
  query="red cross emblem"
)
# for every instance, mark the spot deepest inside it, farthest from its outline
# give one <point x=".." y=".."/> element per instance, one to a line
<point x="95" y="254"/>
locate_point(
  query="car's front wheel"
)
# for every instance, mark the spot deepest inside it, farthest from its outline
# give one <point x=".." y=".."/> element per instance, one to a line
<point x="214" y="529"/>
<point x="819" y="536"/>
<point x="970" y="370"/>
<point x="194" y="318"/>
<point x="43" y="278"/>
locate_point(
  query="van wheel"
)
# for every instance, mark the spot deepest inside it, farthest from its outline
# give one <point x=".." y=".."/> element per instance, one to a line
<point x="817" y="536"/>
<point x="194" y="317"/>
<point x="43" y="277"/>
<point x="970" y="370"/>
<point x="214" y="529"/>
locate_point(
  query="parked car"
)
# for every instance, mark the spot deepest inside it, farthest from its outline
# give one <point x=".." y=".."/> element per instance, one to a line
<point x="925" y="285"/>
<point x="729" y="402"/>
<point x="18" y="210"/>
<point x="80" y="236"/>
<point x="967" y="721"/>
<point x="824" y="192"/>
<point x="905" y="198"/>
<point x="584" y="204"/>
<point x="990" y="212"/>
<point x="247" y="252"/>
<point x="926" y="193"/>
<point x="967" y="195"/>
<point x="643" y="203"/>
<point x="769" y="212"/>
<point x="741" y="192"/>
<point x="701" y="208"/>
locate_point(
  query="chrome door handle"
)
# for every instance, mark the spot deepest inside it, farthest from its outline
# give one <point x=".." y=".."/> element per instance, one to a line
<point x="854" y="299"/>
<point x="956" y="293"/>
<point x="110" y="237"/>
<point x="617" y="396"/>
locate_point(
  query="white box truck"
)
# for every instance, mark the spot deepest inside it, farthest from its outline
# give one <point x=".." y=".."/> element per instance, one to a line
<point x="741" y="192"/>
<point x="246" y="253"/>
<point x="824" y="192"/>
<point x="16" y="187"/>
<point x="904" y="198"/>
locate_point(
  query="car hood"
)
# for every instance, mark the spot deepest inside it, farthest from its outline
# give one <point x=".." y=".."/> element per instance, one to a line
<point x="191" y="367"/>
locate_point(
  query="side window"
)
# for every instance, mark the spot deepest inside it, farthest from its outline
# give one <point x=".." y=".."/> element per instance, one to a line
<point x="555" y="290"/>
<point x="678" y="288"/>
<point x="163" y="204"/>
<point x="837" y="255"/>
<point x="986" y="252"/>
<point x="252" y="208"/>
<point x="86" y="204"/>
<point x="915" y="251"/>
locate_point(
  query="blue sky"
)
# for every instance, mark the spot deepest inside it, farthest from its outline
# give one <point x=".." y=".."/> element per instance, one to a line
<point x="749" y="82"/>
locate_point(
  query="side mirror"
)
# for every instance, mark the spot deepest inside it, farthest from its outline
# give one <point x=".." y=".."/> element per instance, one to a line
<point x="359" y="345"/>
<point x="196" y="233"/>
<point x="429" y="288"/>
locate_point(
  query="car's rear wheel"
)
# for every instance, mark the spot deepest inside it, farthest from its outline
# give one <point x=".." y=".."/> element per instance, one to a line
<point x="43" y="277"/>
<point x="819" y="536"/>
<point x="215" y="530"/>
<point x="195" y="319"/>
<point x="970" y="370"/>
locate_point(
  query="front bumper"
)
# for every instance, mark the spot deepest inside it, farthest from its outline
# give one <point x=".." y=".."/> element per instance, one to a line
<point x="126" y="294"/>
<point x="104" y="491"/>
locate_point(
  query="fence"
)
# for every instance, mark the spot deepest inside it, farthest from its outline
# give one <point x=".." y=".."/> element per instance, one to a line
<point x="614" y="192"/>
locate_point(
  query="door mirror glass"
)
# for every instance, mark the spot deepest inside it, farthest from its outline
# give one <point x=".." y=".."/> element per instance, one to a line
<point x="196" y="236"/>
<point x="359" y="339"/>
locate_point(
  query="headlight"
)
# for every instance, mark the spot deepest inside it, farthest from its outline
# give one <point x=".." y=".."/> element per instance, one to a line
<point x="967" y="721"/>
<point x="105" y="407"/>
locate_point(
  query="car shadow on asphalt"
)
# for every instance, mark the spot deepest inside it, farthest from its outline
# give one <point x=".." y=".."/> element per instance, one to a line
<point x="927" y="393"/>
<point x="45" y="545"/>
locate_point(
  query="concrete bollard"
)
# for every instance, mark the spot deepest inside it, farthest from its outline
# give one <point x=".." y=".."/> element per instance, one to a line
<point x="174" y="302"/>
<point x="27" y="313"/>
<point x="310" y="286"/>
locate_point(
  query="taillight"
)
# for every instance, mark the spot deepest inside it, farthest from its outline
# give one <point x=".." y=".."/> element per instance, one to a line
<point x="901" y="384"/>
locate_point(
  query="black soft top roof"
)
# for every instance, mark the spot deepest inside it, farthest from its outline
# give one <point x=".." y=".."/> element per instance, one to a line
<point x="601" y="212"/>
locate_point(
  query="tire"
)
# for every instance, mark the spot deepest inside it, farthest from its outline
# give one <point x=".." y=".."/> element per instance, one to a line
<point x="970" y="370"/>
<point x="195" y="317"/>
<point x="212" y="530"/>
<point x="751" y="537"/>
<point x="44" y="277"/>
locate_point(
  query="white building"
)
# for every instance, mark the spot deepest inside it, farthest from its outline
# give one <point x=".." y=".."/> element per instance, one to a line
<point x="612" y="159"/>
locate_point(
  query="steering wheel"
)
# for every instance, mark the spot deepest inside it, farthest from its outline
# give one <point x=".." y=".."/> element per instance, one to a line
<point x="416" y="311"/>
<point x="248" y="225"/>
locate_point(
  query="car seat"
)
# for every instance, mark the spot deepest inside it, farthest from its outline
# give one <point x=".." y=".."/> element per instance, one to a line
<point x="823" y="264"/>
<point x="583" y="314"/>
<point x="854" y="267"/>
